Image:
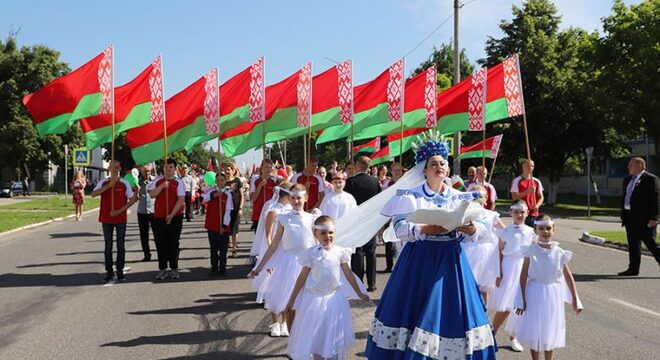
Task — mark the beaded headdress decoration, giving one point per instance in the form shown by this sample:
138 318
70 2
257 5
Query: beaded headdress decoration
429 144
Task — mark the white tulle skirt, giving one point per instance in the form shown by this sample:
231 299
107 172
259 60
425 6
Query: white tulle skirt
323 326
275 288
484 262
542 327
502 298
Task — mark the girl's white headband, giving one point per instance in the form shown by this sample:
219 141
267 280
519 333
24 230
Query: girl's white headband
518 207
298 193
543 222
327 227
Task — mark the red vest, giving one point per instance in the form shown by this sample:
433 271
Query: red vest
312 190
530 199
215 213
106 203
160 212
259 202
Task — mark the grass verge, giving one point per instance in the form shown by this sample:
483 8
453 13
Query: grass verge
574 206
614 237
39 210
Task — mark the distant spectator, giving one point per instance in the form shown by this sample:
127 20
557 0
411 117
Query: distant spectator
472 177
26 186
77 186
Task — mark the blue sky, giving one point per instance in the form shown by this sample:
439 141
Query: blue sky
195 36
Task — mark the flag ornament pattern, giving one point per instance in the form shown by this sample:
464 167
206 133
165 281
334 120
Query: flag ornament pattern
156 90
105 83
377 146
304 94
395 92
431 97
257 92
477 101
495 149
513 87
345 91
211 102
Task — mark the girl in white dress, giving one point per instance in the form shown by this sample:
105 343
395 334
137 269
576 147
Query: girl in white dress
323 328
292 238
481 250
512 238
542 325
279 204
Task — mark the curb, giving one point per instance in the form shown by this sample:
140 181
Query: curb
600 241
27 227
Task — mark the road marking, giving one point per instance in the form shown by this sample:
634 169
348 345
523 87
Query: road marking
636 307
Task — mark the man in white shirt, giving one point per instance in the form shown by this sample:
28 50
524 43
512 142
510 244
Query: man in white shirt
189 185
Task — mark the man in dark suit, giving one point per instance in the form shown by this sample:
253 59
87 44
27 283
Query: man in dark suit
363 187
639 213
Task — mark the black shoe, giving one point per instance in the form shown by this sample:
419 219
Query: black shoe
387 270
213 273
146 258
372 289
187 220
222 273
628 273
120 276
109 276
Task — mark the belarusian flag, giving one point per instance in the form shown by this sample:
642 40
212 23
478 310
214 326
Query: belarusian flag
288 107
86 91
400 143
332 102
492 146
370 147
132 109
381 156
376 102
420 107
503 98
190 115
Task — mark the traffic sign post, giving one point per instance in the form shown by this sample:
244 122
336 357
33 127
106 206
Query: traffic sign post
450 145
590 152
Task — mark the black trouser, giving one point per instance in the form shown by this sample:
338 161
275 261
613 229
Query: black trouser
188 205
367 250
390 251
108 230
145 221
219 244
635 235
167 242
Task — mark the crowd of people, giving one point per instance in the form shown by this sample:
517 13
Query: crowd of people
442 280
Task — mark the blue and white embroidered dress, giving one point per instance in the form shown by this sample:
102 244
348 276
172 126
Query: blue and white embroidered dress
431 307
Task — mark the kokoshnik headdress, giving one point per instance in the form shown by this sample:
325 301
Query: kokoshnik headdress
429 144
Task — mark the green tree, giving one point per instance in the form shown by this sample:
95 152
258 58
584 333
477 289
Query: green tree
564 113
24 70
443 59
629 56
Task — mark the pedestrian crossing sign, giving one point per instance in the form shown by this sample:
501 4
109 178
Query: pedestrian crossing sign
450 145
81 157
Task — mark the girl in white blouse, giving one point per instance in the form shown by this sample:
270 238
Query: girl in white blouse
292 238
542 325
323 328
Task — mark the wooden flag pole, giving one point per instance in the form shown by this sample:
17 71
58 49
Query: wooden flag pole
112 142
220 215
492 169
529 154
401 144
263 149
483 147
167 192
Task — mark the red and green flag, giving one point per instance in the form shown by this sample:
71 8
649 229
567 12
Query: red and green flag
288 108
381 156
397 145
463 102
191 114
420 108
86 91
133 106
370 147
490 147
380 101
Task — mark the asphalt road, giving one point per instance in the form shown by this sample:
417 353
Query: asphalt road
53 304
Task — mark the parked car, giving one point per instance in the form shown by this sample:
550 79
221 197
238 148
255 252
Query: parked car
11 188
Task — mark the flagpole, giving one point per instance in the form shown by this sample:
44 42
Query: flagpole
112 142
350 149
492 169
167 192
217 86
311 92
403 99
483 146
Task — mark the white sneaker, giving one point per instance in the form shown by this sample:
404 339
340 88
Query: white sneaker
275 330
284 330
174 274
515 345
162 274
